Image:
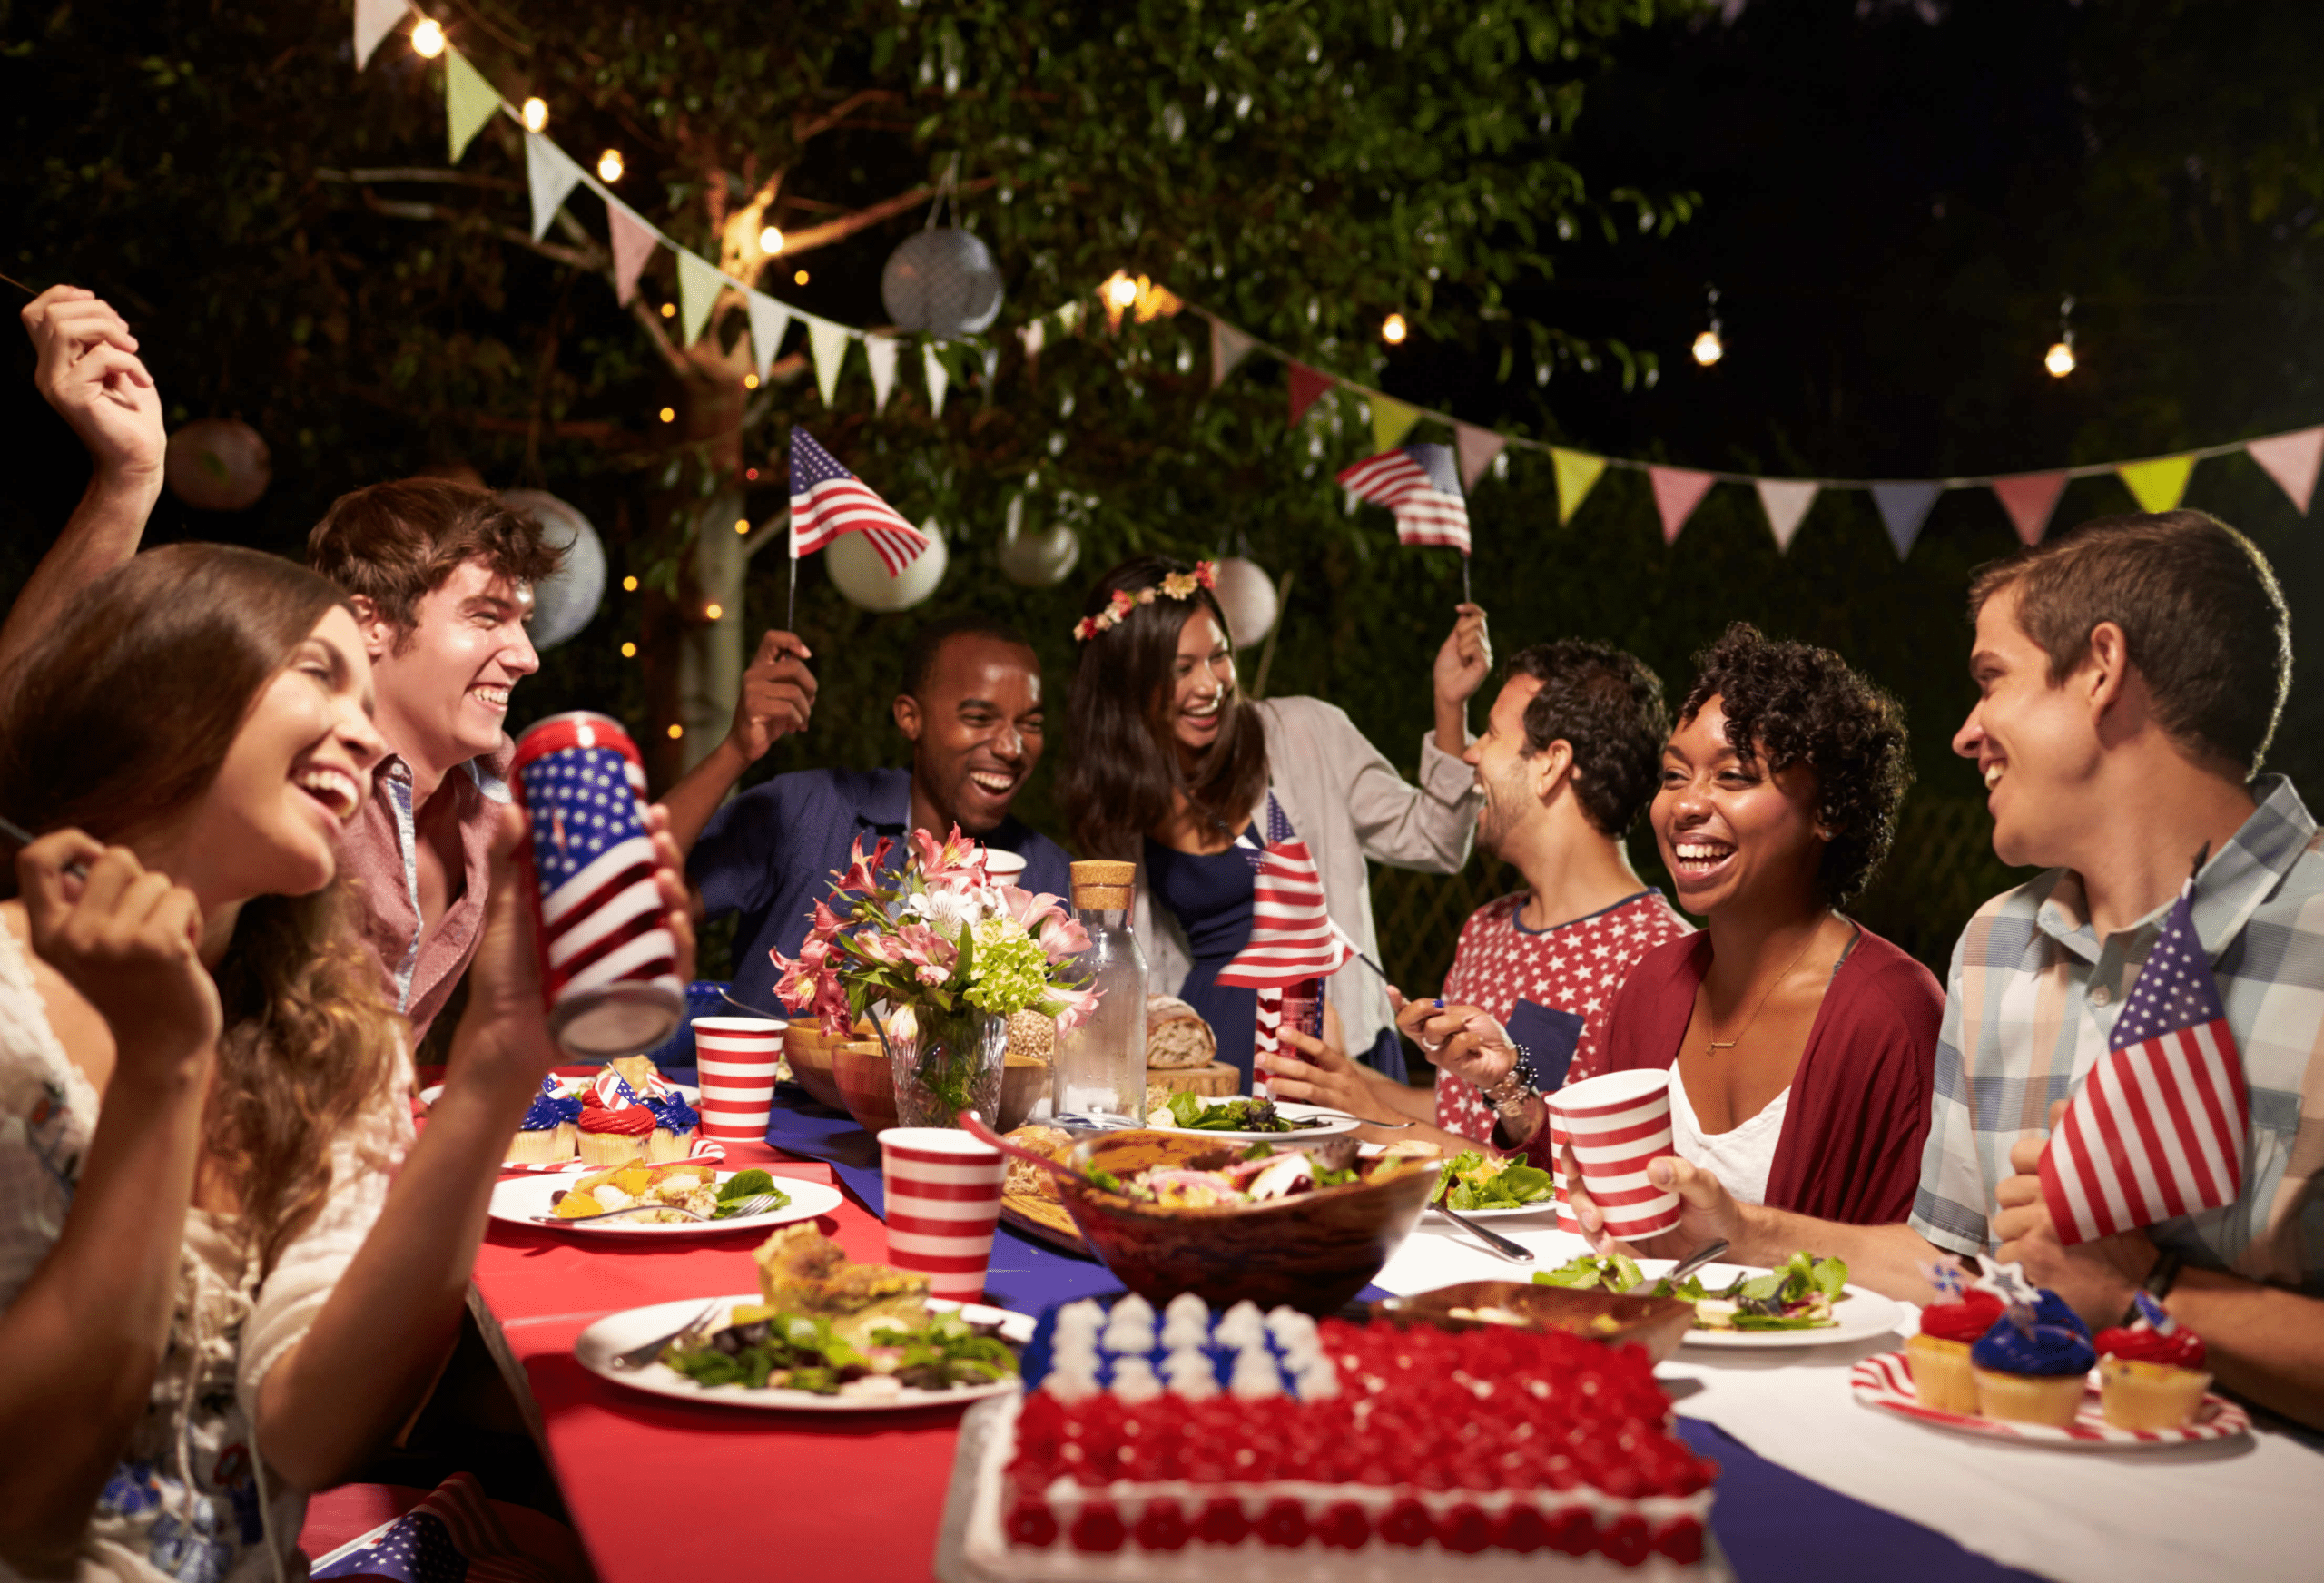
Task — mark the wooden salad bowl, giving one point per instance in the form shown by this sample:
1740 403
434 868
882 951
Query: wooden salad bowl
1657 1323
867 1084
1311 1252
811 1053
1024 1083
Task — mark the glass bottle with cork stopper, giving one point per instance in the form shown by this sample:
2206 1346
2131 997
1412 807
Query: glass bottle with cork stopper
1100 1065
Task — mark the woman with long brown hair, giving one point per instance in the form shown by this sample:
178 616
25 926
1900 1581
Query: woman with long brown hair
1168 765
211 1298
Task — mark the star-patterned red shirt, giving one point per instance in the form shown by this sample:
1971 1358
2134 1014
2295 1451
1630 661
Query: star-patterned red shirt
1553 988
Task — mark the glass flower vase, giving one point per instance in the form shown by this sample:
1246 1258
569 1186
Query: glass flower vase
947 1062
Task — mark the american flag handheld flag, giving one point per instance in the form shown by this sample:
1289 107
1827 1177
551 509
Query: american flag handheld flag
1293 938
454 1536
827 500
2156 1130
608 965
1421 485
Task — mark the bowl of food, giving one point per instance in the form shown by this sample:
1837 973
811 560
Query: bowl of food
1024 1083
867 1084
1266 1224
809 1051
1657 1323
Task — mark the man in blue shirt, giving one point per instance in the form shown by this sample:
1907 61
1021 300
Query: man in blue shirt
971 708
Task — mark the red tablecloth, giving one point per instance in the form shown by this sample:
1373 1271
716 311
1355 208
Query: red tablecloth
659 1490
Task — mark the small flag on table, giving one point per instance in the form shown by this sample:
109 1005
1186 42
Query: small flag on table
1421 485
827 500
2156 1129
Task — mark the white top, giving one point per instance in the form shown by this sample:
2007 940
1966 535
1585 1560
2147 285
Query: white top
1740 1157
191 1496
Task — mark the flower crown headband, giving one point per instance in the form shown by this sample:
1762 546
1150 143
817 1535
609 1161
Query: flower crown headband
1177 586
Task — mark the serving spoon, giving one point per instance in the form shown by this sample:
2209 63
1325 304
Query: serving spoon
974 1126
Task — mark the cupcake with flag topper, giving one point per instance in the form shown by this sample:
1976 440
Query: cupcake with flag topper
547 1135
2033 1365
1938 1356
2150 1374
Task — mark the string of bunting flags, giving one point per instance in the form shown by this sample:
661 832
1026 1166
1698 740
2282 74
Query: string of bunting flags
1415 482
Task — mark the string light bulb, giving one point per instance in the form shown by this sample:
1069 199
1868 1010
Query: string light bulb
742 525
771 241
669 414
629 584
1393 329
535 113
750 381
669 311
799 278
428 38
713 611
676 730
1121 291
2060 359
1709 347
609 166
629 651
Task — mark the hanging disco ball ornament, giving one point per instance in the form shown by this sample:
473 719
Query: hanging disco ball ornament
1248 596
217 464
566 600
942 283
856 570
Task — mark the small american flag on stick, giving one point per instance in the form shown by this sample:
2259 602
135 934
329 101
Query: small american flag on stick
1420 486
827 500
2156 1130
1291 937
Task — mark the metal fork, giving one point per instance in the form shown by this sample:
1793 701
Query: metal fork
644 1352
741 1208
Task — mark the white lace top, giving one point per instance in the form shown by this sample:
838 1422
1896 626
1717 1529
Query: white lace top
1741 1156
191 1501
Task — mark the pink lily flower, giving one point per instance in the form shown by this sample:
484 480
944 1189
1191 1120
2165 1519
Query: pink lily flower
1079 1006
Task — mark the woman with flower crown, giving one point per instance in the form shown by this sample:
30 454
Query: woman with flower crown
1169 766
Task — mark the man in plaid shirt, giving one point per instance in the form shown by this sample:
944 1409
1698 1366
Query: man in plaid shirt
2130 677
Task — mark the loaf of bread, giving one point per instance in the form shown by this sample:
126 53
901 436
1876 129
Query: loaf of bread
1176 1035
1026 1177
1032 1035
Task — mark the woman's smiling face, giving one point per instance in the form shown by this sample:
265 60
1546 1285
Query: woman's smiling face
1730 830
1202 684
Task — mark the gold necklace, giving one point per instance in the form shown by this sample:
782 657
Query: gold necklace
1729 1044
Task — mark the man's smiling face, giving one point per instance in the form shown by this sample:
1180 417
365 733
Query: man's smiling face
975 729
444 681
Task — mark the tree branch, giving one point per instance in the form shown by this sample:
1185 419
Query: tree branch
653 323
399 208
422 174
840 230
800 130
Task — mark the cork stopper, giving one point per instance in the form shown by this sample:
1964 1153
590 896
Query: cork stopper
1101 885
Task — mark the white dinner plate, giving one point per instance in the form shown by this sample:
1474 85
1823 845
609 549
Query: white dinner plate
617 1333
1335 1123
1547 1206
692 1095
1861 1314
519 1200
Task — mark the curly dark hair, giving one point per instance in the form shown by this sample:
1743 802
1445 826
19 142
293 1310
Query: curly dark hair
1801 705
1607 707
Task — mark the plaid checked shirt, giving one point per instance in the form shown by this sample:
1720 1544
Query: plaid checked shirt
2033 994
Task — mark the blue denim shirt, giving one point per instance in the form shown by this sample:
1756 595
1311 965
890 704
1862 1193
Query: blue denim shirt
771 853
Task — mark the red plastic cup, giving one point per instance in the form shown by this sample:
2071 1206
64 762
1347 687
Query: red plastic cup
735 1058
1615 1124
943 1199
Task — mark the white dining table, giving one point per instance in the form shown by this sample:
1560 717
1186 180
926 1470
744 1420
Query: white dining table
2248 1507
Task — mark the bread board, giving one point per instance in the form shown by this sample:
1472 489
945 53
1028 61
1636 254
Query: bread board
1045 1220
1217 1081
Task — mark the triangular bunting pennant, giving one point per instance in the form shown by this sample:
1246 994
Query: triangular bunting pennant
374 20
1786 501
699 284
1306 386
1390 420
880 351
2291 460
769 323
2158 485
940 378
634 244
1677 492
468 101
1904 507
1229 347
1578 473
552 175
1476 447
828 342
2030 498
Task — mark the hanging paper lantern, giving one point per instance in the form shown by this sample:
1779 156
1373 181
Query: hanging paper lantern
856 570
566 600
218 464
1037 560
942 283
1248 596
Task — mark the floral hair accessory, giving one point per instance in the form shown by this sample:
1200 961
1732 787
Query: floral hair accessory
1177 586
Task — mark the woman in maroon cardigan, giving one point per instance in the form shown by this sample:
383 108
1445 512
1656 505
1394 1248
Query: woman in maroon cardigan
1801 1045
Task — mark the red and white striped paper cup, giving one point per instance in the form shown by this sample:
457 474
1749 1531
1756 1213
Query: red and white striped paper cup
943 1199
736 1058
1617 1123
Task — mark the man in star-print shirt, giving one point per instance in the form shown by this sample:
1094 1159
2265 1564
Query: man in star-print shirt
1567 762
